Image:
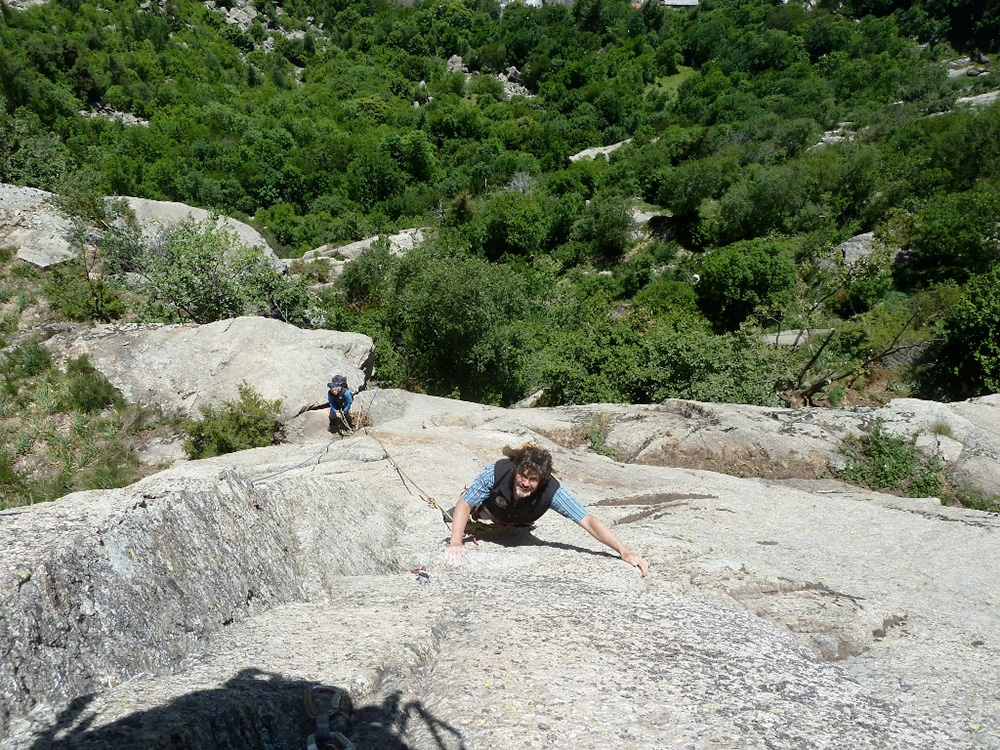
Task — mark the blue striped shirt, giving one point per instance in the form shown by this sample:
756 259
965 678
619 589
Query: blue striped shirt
563 501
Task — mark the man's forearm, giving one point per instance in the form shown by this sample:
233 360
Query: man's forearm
458 522
599 530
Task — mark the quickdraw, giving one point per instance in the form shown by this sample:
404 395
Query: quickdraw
323 701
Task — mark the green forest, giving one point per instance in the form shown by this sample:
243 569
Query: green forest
325 123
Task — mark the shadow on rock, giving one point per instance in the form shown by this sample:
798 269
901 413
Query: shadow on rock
522 537
384 725
253 711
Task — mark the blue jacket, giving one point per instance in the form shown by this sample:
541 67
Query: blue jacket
341 402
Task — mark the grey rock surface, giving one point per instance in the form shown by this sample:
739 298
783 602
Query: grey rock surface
29 222
782 443
399 244
593 153
184 365
978 100
797 338
857 248
197 605
32 225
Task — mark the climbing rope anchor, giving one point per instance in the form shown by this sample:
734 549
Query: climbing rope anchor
321 702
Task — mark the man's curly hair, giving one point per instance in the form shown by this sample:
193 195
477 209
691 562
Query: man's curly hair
533 457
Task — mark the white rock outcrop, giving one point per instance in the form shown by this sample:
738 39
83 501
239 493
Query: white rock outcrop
783 443
593 153
184 366
33 225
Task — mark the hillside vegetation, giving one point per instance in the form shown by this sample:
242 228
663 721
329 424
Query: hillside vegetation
328 122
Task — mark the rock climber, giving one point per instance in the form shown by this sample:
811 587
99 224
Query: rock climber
338 395
517 491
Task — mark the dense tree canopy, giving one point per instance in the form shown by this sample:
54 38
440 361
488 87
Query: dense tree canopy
762 134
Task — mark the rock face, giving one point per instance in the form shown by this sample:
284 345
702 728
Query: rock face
32 225
780 443
593 153
154 216
29 222
185 366
978 100
193 609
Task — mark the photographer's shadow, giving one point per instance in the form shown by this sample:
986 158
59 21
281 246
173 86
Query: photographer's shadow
254 710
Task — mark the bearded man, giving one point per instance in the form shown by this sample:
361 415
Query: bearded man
517 491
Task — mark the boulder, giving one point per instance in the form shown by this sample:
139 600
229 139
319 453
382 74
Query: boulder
455 64
184 366
155 216
399 243
197 607
856 248
797 338
978 100
32 224
593 153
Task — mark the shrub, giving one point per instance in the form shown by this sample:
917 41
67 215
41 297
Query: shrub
87 390
80 295
968 361
881 461
364 280
606 227
25 361
955 237
11 483
199 272
114 465
457 326
251 422
509 224
743 279
977 500
597 432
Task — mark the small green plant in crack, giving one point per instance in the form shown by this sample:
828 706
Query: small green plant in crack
942 428
24 361
977 500
597 432
882 461
23 443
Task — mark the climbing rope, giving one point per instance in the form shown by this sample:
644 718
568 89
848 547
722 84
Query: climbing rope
320 452
362 419
407 478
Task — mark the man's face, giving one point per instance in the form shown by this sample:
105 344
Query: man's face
525 482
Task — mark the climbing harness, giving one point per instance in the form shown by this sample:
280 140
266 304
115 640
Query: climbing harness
323 701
